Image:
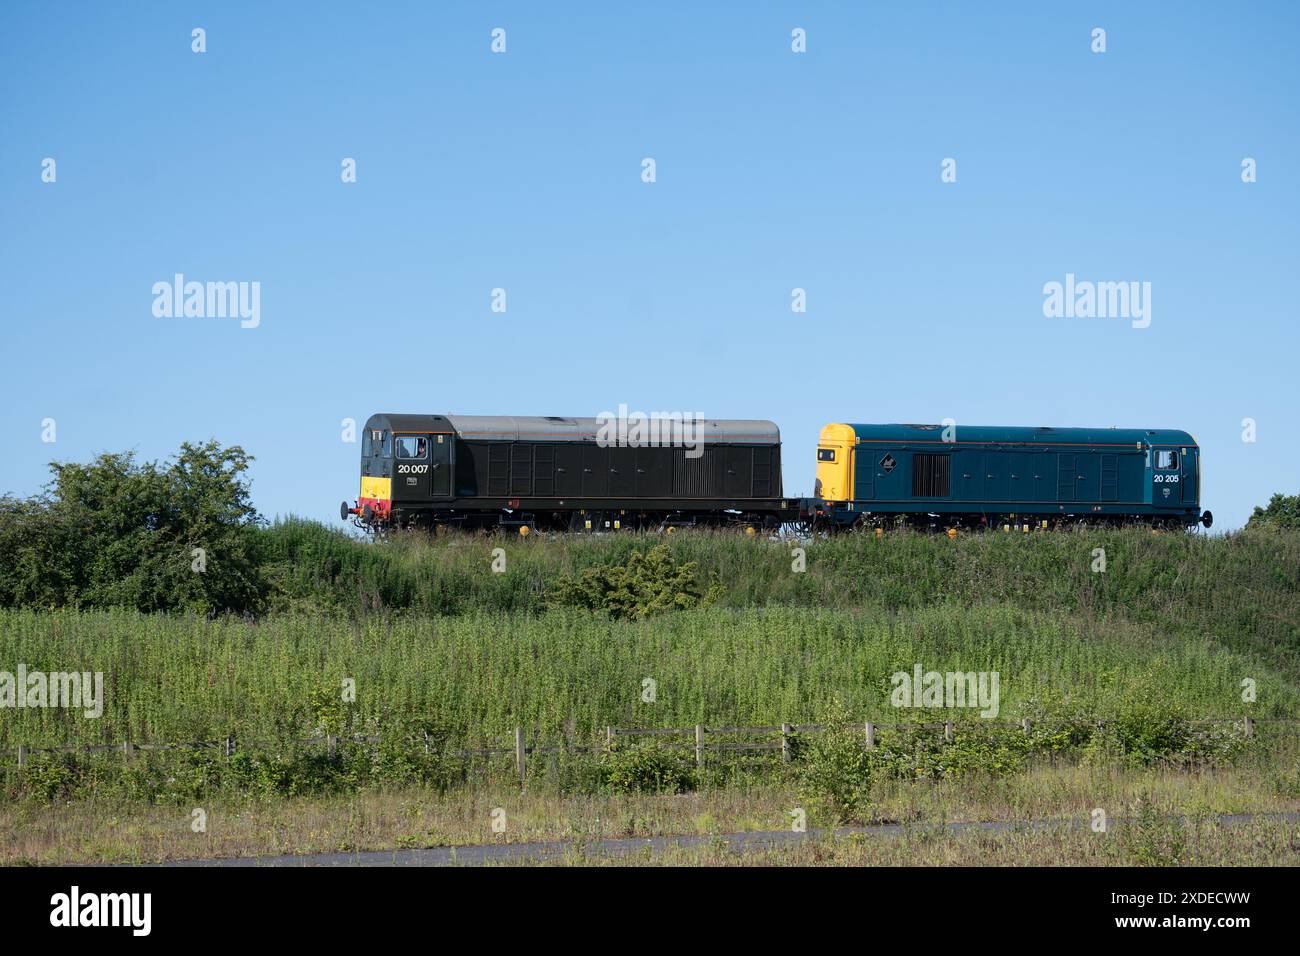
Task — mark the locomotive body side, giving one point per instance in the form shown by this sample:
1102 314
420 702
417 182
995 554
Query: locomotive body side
983 474
567 473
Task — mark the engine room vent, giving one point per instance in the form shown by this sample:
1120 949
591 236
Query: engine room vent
931 476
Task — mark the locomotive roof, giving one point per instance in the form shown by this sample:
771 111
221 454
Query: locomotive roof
568 428
1012 434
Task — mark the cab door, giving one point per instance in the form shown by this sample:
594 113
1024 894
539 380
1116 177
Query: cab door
1166 477
861 466
411 471
440 465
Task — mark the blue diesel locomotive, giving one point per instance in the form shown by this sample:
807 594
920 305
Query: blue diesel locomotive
979 475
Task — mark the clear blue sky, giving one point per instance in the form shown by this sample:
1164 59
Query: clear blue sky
522 171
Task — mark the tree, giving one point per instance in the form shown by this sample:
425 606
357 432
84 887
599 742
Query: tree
114 533
1283 511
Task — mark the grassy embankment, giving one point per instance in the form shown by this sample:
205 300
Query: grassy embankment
438 643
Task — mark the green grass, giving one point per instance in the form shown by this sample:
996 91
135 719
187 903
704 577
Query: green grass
428 632
426 629
481 674
1240 591
113 829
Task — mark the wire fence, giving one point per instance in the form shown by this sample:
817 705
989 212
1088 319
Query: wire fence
695 737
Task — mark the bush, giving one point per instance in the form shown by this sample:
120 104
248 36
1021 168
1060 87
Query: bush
422 752
1145 734
648 768
50 777
916 754
413 756
834 769
115 533
649 583
1283 511
570 773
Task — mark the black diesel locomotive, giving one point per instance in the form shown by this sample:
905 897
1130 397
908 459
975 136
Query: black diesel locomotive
556 473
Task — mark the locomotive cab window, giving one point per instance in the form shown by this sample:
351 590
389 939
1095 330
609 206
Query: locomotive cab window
386 444
1166 459
410 446
825 454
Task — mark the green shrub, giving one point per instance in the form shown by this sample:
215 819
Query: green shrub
114 533
50 777
422 752
648 768
328 712
1144 735
650 582
916 753
417 753
1283 511
834 768
570 773
1138 725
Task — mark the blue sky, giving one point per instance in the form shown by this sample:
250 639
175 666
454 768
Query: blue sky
522 171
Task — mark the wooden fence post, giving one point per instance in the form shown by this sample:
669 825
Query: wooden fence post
128 749
699 745
1028 725
947 731
331 744
785 743
609 738
871 735
230 745
22 755
1248 727
519 754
